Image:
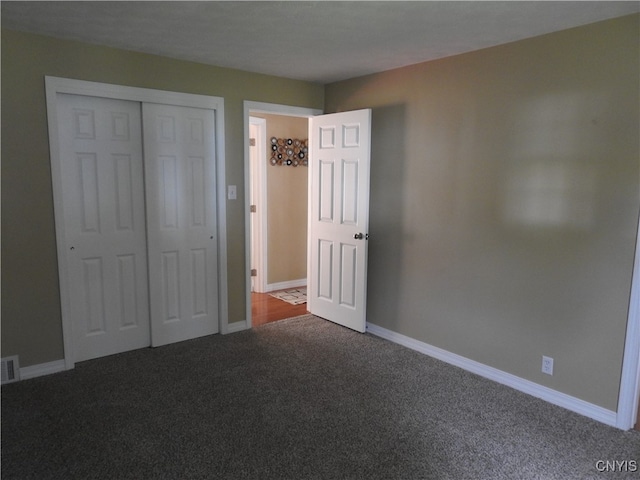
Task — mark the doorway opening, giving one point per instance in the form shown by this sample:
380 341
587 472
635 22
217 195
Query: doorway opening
276 197
278 211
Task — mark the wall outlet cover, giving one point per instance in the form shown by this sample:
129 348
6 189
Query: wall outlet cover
547 365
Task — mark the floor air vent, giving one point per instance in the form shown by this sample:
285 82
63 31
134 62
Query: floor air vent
10 369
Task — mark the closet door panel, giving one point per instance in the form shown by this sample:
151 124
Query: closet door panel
181 221
104 223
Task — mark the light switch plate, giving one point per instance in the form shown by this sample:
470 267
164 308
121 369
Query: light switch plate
232 192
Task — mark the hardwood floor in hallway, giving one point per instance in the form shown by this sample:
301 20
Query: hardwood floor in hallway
265 309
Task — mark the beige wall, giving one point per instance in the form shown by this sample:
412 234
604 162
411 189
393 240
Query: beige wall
287 206
504 203
31 322
505 193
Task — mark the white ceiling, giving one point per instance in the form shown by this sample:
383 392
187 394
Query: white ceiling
321 41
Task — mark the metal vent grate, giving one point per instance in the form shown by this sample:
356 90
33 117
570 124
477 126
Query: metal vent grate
10 369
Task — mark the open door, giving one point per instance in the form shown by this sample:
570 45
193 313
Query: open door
339 216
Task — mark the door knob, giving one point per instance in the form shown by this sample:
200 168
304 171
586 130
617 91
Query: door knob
358 236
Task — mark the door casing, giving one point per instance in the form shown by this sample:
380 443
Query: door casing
629 395
258 197
56 85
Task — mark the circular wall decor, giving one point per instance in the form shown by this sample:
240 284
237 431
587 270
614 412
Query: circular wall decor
289 151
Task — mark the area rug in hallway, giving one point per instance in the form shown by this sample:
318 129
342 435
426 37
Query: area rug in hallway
294 296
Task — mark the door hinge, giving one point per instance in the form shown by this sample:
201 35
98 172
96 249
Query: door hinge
252 142
254 272
253 209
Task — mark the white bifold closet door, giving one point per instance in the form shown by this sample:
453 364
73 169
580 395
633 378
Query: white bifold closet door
137 276
105 230
181 217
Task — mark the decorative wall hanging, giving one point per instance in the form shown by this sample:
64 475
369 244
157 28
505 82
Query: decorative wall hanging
289 151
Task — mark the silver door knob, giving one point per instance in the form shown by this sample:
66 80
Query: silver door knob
358 236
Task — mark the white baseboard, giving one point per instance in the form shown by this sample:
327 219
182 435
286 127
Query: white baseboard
560 399
237 326
272 287
41 369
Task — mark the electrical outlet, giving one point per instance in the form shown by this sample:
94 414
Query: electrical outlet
547 365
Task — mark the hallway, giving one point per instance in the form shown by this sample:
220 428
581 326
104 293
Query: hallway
265 309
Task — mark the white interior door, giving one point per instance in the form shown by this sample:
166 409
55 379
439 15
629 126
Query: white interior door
104 222
339 216
181 221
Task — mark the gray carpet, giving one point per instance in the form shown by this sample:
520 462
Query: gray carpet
296 399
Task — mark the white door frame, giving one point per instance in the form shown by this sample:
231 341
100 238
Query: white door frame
273 109
258 219
56 85
630 378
